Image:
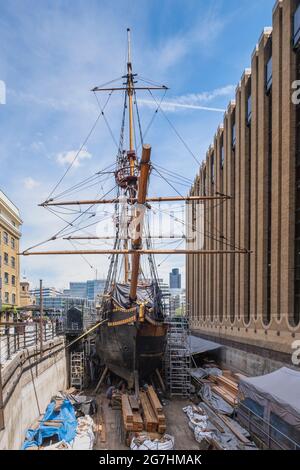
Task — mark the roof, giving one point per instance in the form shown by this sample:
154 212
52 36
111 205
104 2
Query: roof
9 203
199 345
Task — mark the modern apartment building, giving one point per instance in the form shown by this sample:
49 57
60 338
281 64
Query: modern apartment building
175 279
10 224
251 303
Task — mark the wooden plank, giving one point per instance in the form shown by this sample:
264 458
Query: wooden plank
126 410
235 431
225 394
227 383
138 424
154 400
101 380
161 428
150 419
133 403
162 384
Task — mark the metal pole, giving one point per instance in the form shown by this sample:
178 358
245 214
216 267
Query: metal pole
41 316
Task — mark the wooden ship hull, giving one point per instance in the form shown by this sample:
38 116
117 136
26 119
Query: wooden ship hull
130 348
132 339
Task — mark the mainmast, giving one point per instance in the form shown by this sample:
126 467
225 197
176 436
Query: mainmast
142 182
131 153
130 88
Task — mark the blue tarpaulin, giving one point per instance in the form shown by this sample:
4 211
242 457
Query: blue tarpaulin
64 425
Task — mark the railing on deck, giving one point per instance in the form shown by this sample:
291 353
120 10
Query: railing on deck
17 336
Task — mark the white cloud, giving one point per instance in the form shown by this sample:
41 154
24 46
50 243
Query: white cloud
172 106
31 183
194 100
207 96
72 156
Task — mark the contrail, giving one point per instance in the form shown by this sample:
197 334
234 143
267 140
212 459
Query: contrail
169 104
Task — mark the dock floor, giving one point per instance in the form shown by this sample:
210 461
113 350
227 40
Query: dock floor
177 426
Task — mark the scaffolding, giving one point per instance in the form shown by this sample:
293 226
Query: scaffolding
177 357
77 370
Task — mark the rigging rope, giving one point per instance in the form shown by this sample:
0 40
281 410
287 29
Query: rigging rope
104 117
76 156
176 131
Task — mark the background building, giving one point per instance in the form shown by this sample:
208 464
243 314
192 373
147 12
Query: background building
47 292
10 224
251 303
88 289
26 298
175 279
58 302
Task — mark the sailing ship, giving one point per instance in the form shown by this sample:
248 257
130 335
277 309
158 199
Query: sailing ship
131 338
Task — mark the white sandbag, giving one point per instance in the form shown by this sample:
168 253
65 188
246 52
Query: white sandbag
85 438
144 443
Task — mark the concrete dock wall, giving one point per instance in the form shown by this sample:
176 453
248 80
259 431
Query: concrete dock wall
29 381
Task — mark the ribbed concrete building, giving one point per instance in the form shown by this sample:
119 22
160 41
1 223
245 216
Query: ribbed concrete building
251 303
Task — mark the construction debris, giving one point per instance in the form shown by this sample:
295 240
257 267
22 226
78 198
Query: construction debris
64 425
215 431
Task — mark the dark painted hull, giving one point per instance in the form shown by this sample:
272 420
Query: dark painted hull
132 347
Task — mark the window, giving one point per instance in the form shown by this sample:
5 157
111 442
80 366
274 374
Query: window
13 299
13 262
222 154
233 135
5 238
249 109
269 74
6 258
296 37
13 280
212 162
6 297
13 243
6 278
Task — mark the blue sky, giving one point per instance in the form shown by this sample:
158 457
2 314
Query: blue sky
54 52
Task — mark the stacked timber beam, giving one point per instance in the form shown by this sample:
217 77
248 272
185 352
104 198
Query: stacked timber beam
145 415
157 409
226 387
